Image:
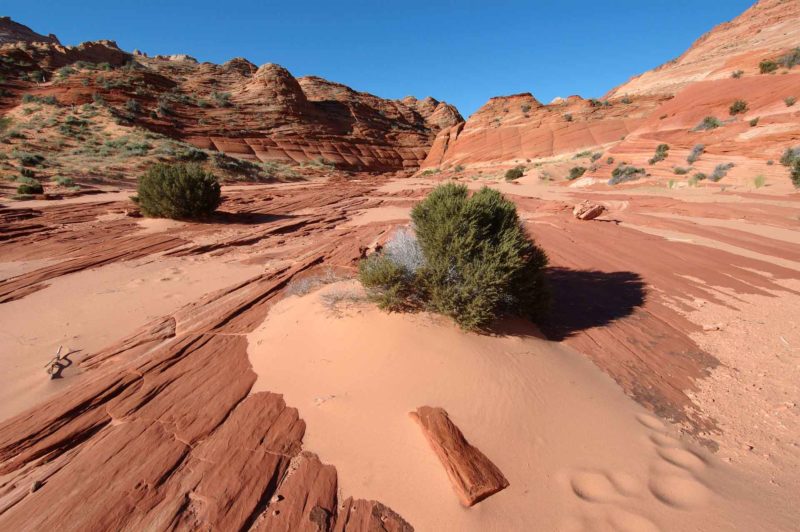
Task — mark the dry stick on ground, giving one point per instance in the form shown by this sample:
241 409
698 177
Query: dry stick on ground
474 477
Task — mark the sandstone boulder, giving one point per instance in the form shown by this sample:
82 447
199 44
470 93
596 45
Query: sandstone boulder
587 210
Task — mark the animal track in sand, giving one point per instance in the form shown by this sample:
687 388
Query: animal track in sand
679 491
600 486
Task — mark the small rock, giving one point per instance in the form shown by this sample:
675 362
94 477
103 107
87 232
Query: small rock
587 210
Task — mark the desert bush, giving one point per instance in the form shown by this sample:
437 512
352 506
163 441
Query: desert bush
759 181
582 154
576 172
63 181
720 171
795 173
515 173
178 191
767 66
736 74
222 99
568 117
65 72
596 156
700 176
790 101
610 160
754 122
626 100
386 282
738 107
680 171
27 172
28 159
791 59
458 168
479 264
133 106
525 108
709 122
790 155
661 153
624 173
695 154
29 186
32 98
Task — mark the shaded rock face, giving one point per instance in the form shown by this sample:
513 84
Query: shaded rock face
11 32
260 114
659 106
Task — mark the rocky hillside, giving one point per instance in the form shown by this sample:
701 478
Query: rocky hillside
730 98
11 32
94 110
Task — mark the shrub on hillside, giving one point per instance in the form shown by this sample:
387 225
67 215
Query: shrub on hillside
791 59
795 175
695 154
576 172
736 74
766 66
790 101
738 107
178 191
29 186
790 155
680 170
661 153
515 173
754 122
470 260
709 122
624 173
720 171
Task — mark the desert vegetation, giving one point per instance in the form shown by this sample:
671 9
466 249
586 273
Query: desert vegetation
738 107
179 191
708 123
661 153
695 153
576 172
624 173
467 258
515 173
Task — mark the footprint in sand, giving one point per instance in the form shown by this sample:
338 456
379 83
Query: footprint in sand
600 486
651 422
683 458
681 492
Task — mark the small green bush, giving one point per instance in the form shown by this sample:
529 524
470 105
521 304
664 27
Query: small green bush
662 150
754 122
576 172
695 154
709 122
458 168
790 101
568 117
178 191
680 171
30 188
624 173
610 160
736 74
515 173
596 156
132 106
766 66
759 181
479 264
222 99
63 181
720 171
700 176
795 174
791 59
387 283
790 155
738 107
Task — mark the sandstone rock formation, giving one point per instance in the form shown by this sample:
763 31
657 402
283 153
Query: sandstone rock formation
12 32
474 477
260 114
663 106
587 210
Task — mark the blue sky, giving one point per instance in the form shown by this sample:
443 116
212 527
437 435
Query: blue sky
461 51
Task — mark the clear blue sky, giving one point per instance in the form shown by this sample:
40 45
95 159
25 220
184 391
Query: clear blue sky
461 51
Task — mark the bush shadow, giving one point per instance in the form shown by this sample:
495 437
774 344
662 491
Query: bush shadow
245 218
583 299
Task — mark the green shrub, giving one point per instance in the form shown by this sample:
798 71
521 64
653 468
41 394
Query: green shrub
790 101
33 187
767 66
720 171
624 173
133 106
178 191
699 176
738 107
790 155
736 74
479 264
754 122
695 154
680 171
63 181
596 156
568 117
791 59
610 160
222 99
525 108
662 150
759 181
515 173
576 172
795 174
387 283
458 168
709 122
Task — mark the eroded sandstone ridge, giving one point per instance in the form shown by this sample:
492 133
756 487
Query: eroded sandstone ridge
665 105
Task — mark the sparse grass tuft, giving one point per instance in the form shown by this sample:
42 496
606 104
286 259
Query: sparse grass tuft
738 107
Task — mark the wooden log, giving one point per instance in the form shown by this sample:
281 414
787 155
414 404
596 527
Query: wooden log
473 475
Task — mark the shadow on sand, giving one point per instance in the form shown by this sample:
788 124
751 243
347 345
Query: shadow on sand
583 299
